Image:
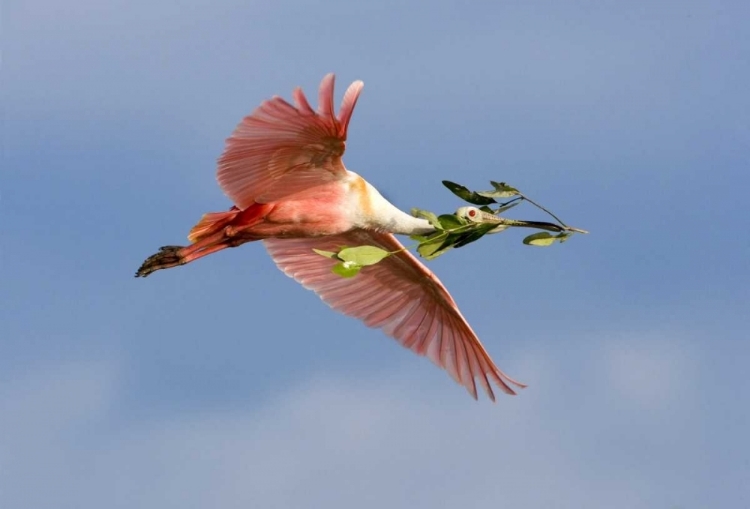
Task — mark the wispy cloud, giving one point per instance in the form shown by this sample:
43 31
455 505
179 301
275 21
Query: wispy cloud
337 442
650 370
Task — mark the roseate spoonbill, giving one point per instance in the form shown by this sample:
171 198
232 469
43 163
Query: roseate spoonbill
282 168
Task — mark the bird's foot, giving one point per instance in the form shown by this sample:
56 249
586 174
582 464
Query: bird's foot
167 257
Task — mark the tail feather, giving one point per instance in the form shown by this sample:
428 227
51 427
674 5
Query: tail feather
211 223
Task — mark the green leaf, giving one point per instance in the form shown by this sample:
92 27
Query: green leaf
441 250
426 214
346 269
450 221
485 208
474 235
540 239
427 248
491 194
502 190
327 254
363 255
466 195
502 187
562 237
448 243
439 244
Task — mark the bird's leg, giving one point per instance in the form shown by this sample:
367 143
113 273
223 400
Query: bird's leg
172 256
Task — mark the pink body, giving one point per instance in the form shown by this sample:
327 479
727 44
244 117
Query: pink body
311 213
282 168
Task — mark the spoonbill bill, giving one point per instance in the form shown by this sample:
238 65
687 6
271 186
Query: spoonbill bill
282 168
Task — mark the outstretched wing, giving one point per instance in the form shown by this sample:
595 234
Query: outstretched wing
282 149
399 295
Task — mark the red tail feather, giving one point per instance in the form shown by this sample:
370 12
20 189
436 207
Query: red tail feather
214 222
211 223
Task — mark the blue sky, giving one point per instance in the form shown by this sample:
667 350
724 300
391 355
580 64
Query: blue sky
224 384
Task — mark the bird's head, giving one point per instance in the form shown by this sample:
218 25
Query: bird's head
471 214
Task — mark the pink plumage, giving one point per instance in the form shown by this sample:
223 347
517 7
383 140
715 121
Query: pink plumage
399 295
282 168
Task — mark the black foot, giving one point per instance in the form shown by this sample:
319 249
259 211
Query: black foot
167 257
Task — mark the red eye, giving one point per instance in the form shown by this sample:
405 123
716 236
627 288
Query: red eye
472 213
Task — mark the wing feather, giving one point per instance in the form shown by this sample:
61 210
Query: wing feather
399 295
265 157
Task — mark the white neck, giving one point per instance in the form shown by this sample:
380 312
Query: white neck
387 217
404 224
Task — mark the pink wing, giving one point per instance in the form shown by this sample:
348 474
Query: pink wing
265 155
399 295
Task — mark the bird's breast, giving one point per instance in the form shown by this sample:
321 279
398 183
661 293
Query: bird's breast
328 209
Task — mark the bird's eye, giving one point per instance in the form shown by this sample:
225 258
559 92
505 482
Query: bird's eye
469 213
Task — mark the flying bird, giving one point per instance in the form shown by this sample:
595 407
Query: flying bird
282 168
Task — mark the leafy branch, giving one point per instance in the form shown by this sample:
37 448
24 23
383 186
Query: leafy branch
467 225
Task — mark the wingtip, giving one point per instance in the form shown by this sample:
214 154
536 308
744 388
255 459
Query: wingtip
514 382
348 103
325 95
